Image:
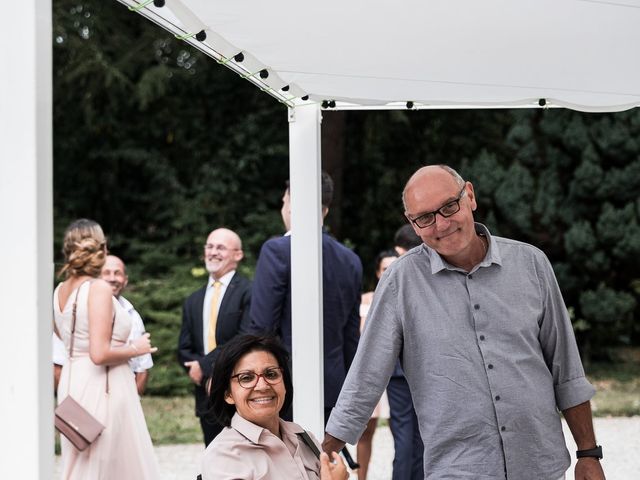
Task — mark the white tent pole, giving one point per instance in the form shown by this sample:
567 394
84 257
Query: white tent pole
26 185
306 267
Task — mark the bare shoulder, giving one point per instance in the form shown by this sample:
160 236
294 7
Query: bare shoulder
101 289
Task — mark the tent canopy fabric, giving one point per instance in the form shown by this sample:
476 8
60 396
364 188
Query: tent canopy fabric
579 54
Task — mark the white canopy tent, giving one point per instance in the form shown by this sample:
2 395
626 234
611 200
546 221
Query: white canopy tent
350 55
577 54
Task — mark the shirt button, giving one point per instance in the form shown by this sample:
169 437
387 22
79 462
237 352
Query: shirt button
481 337
476 306
503 428
490 366
497 398
470 277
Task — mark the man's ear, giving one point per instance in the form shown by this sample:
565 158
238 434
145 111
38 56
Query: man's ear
472 196
228 398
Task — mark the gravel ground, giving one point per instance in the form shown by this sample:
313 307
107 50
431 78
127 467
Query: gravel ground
620 438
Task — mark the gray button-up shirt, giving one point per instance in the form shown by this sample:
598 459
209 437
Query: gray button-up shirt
490 357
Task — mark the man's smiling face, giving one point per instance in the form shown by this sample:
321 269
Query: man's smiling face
222 252
430 189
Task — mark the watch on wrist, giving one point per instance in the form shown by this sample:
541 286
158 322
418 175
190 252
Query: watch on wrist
592 452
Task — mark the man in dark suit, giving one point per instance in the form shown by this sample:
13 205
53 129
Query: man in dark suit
212 316
341 288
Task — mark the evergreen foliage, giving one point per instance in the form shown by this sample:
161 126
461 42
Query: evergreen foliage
160 145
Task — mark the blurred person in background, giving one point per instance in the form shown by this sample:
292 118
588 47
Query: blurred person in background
101 380
114 272
341 290
403 422
382 262
212 316
405 239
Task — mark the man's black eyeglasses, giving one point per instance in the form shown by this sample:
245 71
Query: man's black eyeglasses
271 375
448 209
221 248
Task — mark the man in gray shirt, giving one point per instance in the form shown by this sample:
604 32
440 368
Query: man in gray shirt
486 345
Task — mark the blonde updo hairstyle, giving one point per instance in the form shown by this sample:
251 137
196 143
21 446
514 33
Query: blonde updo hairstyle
84 249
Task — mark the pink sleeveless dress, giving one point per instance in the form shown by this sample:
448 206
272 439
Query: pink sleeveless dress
124 450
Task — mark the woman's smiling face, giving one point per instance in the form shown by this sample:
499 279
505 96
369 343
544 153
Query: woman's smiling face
260 404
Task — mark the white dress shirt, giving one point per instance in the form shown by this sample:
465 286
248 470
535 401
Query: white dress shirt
206 307
144 362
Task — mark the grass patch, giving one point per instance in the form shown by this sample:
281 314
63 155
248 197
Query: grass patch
172 419
618 389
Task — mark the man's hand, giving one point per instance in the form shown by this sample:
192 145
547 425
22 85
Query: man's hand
142 345
195 372
332 471
589 468
332 444
141 381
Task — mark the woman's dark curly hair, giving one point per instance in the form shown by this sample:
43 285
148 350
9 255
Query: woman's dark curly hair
230 354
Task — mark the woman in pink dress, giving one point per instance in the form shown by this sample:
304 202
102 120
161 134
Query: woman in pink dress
97 375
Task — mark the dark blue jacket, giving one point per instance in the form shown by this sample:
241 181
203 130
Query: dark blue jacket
233 319
342 280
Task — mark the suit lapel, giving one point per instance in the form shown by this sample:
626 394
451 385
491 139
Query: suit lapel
228 295
197 319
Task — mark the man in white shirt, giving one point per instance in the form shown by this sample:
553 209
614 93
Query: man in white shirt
115 273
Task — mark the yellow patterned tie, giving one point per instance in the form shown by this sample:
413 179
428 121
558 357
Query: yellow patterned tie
213 315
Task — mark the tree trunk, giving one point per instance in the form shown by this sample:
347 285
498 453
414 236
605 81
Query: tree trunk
333 153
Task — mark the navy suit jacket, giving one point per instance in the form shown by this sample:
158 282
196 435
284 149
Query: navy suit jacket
233 319
342 281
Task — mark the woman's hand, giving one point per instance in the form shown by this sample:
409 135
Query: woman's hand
335 470
142 345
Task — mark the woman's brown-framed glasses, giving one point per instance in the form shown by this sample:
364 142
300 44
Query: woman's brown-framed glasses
272 376
429 218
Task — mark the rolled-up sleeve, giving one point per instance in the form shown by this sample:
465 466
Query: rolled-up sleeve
559 345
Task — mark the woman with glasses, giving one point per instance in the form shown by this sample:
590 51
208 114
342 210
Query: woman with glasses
251 385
